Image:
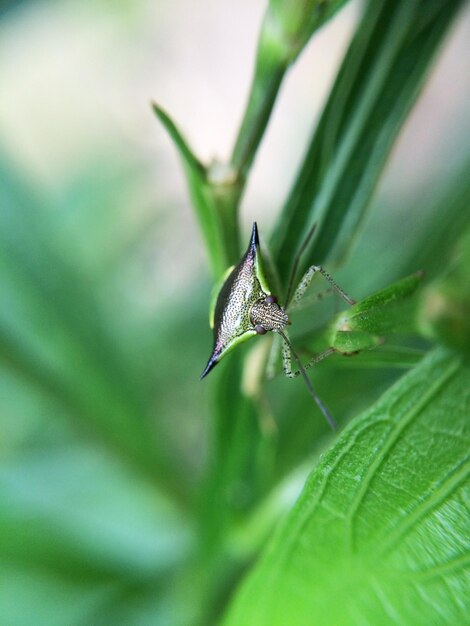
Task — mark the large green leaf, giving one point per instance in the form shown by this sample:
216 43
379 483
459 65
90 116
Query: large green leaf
380 533
379 80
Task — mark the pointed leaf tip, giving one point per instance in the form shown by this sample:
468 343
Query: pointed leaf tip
189 158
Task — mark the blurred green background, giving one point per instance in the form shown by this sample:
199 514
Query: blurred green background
105 429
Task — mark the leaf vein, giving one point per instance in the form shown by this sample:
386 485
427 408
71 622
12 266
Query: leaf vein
425 506
395 433
449 567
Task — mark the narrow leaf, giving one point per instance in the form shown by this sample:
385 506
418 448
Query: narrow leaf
189 159
380 79
214 192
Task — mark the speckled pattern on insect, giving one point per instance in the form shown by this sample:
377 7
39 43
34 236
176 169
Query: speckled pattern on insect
243 307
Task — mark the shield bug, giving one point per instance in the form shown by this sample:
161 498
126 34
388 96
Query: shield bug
245 307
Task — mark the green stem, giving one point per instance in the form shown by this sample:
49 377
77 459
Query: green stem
286 29
267 80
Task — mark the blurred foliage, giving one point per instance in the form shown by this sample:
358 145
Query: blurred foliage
127 495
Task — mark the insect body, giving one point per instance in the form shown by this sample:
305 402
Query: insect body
245 307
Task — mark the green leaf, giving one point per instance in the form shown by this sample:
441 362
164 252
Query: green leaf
391 310
380 533
379 80
215 192
189 159
388 356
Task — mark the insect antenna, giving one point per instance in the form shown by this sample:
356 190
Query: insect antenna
296 262
308 382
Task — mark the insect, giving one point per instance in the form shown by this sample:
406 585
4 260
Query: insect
245 307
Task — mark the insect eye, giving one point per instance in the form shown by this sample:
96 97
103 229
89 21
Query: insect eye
270 299
260 329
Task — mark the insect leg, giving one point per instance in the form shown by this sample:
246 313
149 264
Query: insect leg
307 279
287 361
319 357
296 262
306 301
287 349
